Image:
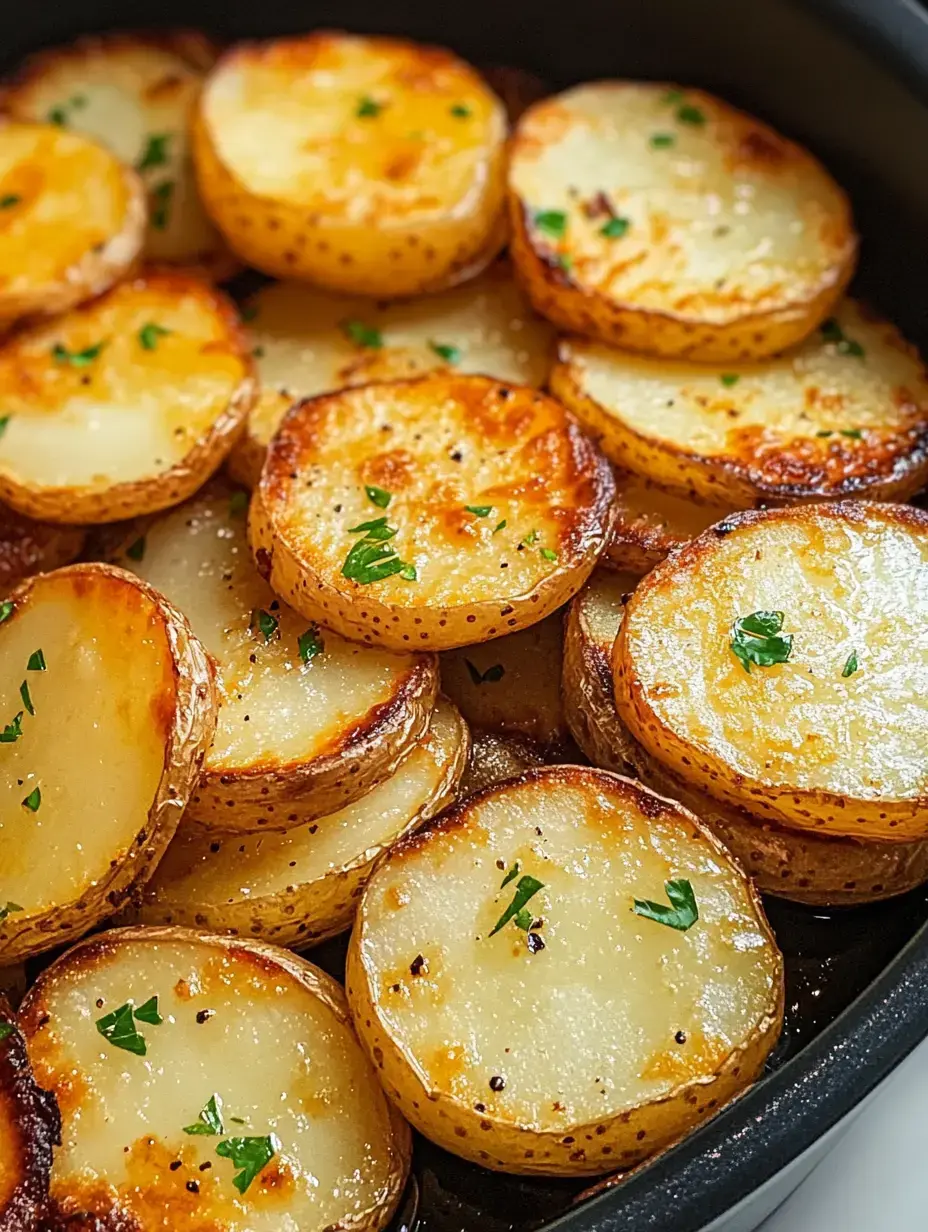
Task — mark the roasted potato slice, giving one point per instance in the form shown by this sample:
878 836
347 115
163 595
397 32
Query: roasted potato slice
209 1081
495 757
779 661
300 887
485 509
665 221
134 93
111 705
124 406
801 866
844 415
650 522
72 220
309 722
511 684
28 547
373 166
29 1128
308 342
611 1034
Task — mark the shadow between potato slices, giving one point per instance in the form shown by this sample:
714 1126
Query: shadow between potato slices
30 1127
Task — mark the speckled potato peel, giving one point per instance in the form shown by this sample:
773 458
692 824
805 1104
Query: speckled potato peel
435 446
525 1059
124 712
496 756
689 228
651 522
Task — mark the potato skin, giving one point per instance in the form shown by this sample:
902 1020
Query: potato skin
650 523
28 547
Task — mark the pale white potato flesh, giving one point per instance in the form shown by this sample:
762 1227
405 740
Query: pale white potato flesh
493 510
372 166
72 220
511 684
663 220
830 736
255 1028
563 1058
300 887
845 414
134 94
124 406
650 522
305 726
308 342
496 756
98 776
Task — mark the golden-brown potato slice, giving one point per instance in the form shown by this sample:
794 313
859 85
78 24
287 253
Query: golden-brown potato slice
110 707
29 1128
373 166
650 522
308 342
28 547
72 220
611 1033
811 714
300 887
665 221
511 684
309 722
124 406
808 868
495 757
209 1081
134 93
844 415
486 504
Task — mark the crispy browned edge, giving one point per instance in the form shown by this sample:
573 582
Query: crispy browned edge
163 489
32 1018
36 1124
756 796
195 705
751 1053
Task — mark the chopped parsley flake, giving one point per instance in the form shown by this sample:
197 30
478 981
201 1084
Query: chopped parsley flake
369 560
25 695
310 643
136 550
378 496
757 639
682 913
850 667
264 623
162 196
9 200
551 222
77 359
688 114
59 115
119 1028
251 1155
155 153
409 573
238 503
499 526
832 332
3 423
662 141
511 875
730 378
8 909
363 335
6 610
377 529
209 1119
258 352
674 96
148 1012
615 228
479 511
460 111
526 889
368 107
150 333
853 434
565 261
490 676
530 539
33 800
6 1030
36 662
12 731
548 553
444 350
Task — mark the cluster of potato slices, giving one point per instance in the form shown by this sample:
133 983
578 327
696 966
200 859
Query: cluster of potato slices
477 648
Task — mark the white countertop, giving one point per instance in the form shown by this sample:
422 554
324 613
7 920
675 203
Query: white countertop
876 1178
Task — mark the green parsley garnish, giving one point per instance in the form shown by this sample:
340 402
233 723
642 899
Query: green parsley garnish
59 115
548 553
209 1119
310 643
615 228
490 676
161 197
36 662
688 114
511 875
27 699
757 639
551 222
33 800
409 573
258 352
3 423
530 539
377 529
378 496
8 909
369 560
77 359
155 153
444 350
661 141
363 335
251 1155
460 111
9 200
565 261
831 331
6 610
150 333
730 378
526 888
499 526
136 550
479 511
264 623
148 1012
368 107
6 1030
674 96
238 503
854 434
119 1029
12 731
682 913
850 667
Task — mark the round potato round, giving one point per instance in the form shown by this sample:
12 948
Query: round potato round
846 414
495 757
134 93
29 1130
111 705
209 1081
308 342
665 221
430 513
300 887
28 547
309 722
778 662
72 220
614 1029
124 406
650 522
373 166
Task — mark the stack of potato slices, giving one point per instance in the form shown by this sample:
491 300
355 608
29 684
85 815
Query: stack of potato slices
484 551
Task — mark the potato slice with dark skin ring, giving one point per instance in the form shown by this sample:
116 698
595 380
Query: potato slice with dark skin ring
650 522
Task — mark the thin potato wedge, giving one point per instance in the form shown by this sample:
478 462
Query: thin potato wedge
486 504
309 722
372 166
665 221
811 716
300 887
610 1034
124 406
28 547
72 220
134 93
651 522
229 1092
308 342
846 414
511 684
798 865
495 757
111 705
30 1128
